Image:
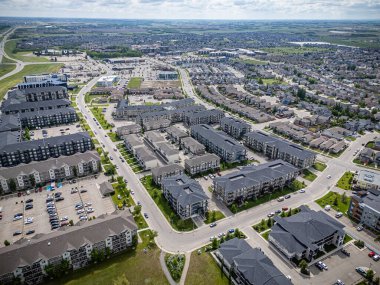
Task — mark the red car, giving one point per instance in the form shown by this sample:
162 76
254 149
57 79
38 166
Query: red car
284 209
371 254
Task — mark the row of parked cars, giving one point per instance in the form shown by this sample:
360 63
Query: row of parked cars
51 208
83 209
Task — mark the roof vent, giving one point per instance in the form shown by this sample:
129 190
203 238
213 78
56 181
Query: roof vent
49 243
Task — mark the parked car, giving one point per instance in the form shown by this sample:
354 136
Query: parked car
339 215
376 257
371 254
29 201
59 199
359 228
231 231
287 196
16 233
361 271
319 265
270 215
345 252
83 190
28 206
302 191
30 232
146 215
212 225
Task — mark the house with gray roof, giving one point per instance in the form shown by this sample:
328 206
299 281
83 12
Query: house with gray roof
27 176
276 148
47 118
185 196
156 124
128 129
37 150
160 172
250 266
254 181
15 108
227 148
146 159
106 188
131 142
190 145
28 259
202 163
306 233
10 123
234 127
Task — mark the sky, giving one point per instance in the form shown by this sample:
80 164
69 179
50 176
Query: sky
194 9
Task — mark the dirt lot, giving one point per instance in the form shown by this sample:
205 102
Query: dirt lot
14 205
343 267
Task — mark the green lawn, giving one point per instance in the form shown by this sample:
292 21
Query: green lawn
114 137
252 61
319 166
139 267
98 114
295 186
211 218
7 60
203 270
26 56
347 238
293 50
370 144
6 68
308 175
134 82
266 235
11 81
88 98
272 81
335 201
345 181
158 197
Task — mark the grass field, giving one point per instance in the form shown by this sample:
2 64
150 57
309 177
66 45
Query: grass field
6 68
308 175
139 267
7 60
10 47
11 81
218 216
134 82
158 197
293 50
330 199
319 166
252 61
271 81
203 270
345 181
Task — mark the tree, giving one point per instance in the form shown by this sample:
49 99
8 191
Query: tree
369 275
12 185
213 216
290 212
137 210
215 243
269 222
154 195
6 243
234 208
26 134
260 81
335 203
237 233
344 198
32 180
153 235
376 281
71 223
303 266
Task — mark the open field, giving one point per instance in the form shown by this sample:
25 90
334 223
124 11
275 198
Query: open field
134 82
26 56
11 81
293 50
6 68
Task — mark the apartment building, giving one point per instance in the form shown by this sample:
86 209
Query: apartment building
145 158
158 173
365 209
367 180
227 148
175 134
190 145
9 108
29 259
212 116
202 163
132 142
47 118
305 234
129 129
249 265
254 181
27 176
276 148
38 150
38 94
234 127
159 124
185 196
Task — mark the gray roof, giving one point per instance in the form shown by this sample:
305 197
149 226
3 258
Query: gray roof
252 263
8 107
154 136
281 144
239 124
145 155
371 200
27 145
9 138
131 128
218 138
162 170
49 112
176 132
304 230
9 123
166 148
133 140
187 191
369 176
46 165
192 144
56 243
205 113
252 175
106 188
208 157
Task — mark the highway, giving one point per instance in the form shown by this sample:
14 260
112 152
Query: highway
174 241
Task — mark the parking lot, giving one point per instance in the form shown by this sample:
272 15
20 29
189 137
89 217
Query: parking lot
55 131
343 267
84 191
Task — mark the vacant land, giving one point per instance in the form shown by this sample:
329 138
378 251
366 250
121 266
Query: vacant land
203 270
338 202
6 68
294 50
11 81
134 82
345 181
26 56
140 266
252 61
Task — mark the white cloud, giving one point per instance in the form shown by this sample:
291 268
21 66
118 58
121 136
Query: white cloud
195 9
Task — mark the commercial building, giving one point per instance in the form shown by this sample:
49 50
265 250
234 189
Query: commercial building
27 176
29 259
107 81
37 150
158 173
249 266
367 180
254 181
190 145
276 148
167 75
185 196
203 163
365 209
305 234
227 148
43 80
234 127
212 116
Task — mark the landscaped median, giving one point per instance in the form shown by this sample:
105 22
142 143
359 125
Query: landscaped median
175 221
295 186
175 264
100 118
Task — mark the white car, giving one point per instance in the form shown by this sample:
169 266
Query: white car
339 215
212 238
302 191
328 176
